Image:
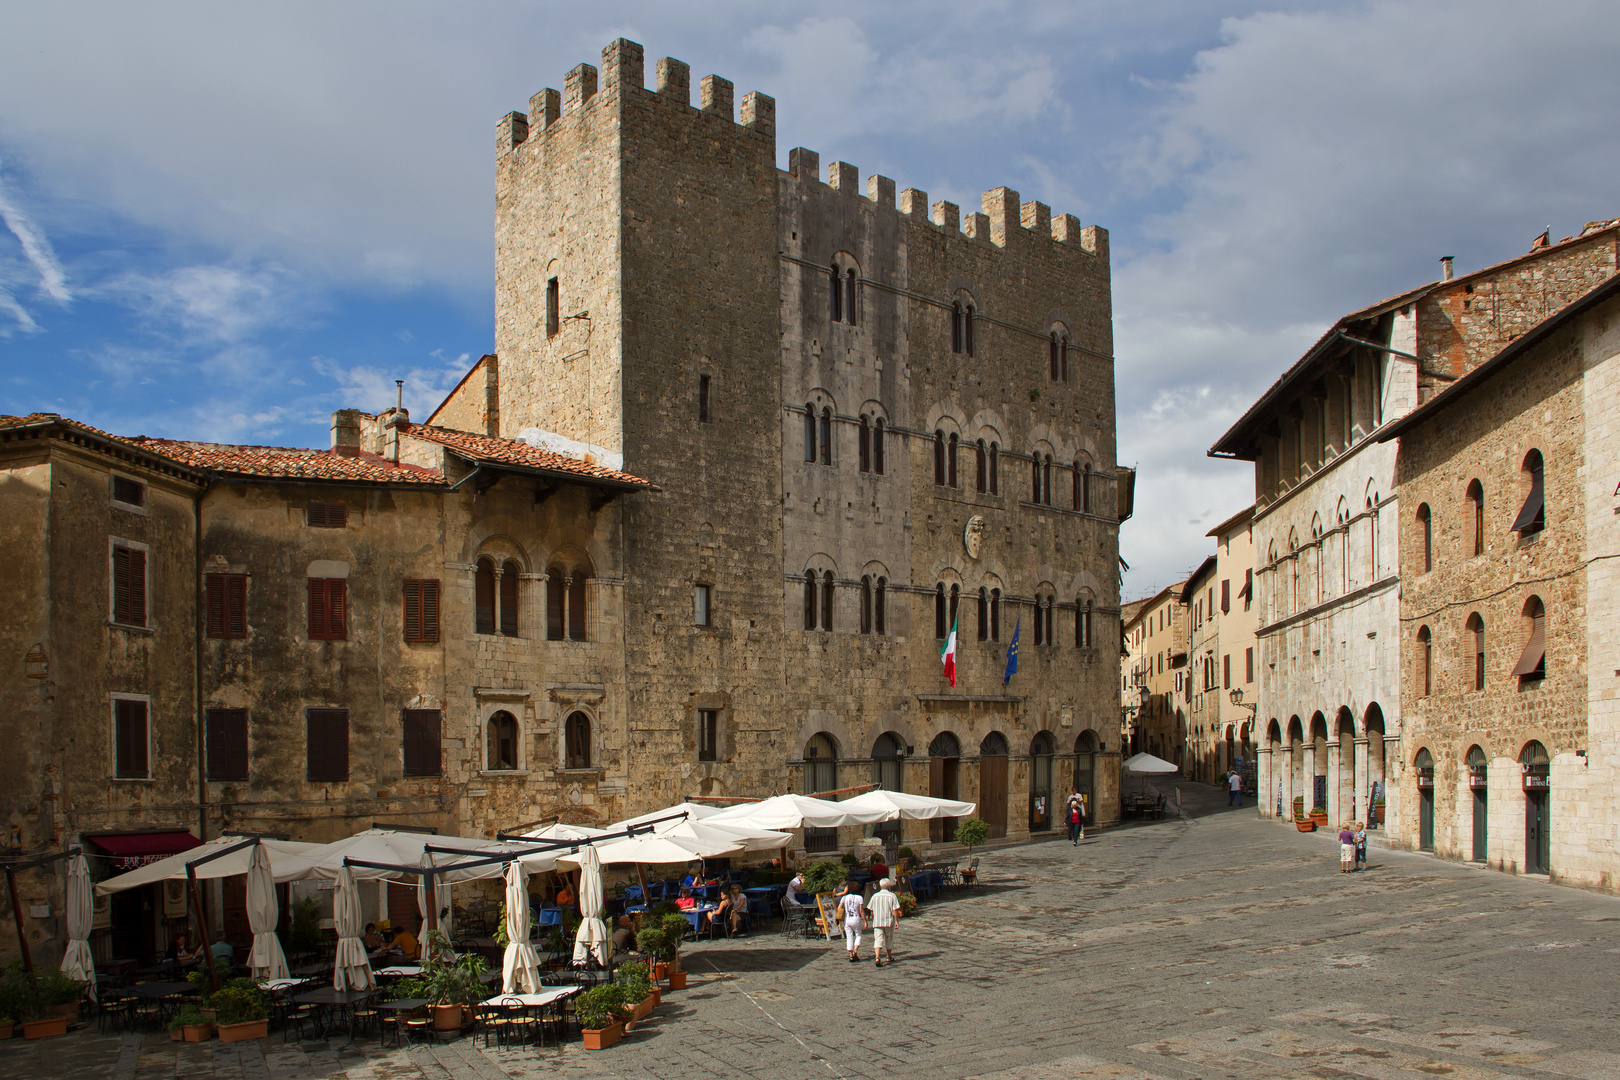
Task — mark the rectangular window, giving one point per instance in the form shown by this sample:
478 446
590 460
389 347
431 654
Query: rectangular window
1248 589
421 742
327 745
421 610
130 740
226 597
1226 668
129 586
328 603
553 307
1248 665
701 613
321 515
703 399
129 492
226 737
708 734
1226 595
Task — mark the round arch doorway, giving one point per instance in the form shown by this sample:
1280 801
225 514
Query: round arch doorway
1423 765
944 782
1040 783
1537 771
993 783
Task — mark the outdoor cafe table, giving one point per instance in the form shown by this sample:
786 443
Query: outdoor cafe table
764 895
401 970
533 1001
695 915
328 1000
158 991
400 1006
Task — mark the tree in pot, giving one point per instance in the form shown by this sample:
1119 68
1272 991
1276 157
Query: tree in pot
662 946
638 990
59 995
677 927
824 876
452 985
600 1011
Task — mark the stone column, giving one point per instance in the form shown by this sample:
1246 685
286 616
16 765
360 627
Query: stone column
1334 793
1262 782
1307 774
1288 765
1361 806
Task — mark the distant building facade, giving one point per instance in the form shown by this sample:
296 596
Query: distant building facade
1153 675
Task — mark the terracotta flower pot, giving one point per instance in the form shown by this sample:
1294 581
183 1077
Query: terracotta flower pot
41 1029
68 1012
677 980
175 1036
660 971
1320 820
656 997
446 1017
5 1030
602 1038
1305 825
250 1029
197 1032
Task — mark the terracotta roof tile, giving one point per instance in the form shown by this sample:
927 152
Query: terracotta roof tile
486 448
290 463
44 420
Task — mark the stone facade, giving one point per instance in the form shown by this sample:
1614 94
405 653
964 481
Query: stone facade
1153 674
1507 640
1326 518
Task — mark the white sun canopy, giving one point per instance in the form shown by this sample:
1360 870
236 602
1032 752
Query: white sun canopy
1147 763
902 804
693 811
391 848
796 812
281 852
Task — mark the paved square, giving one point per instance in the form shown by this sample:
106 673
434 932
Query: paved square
1219 946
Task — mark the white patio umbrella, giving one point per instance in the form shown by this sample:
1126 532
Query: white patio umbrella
443 918
351 969
520 970
558 830
282 854
651 849
266 960
1149 765
592 936
391 848
693 811
793 811
702 832
901 804
77 963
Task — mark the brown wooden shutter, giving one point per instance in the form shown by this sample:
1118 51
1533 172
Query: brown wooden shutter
337 625
129 736
214 588
236 605
509 600
327 515
484 597
1226 595
129 586
430 610
421 742
327 745
227 746
413 610
1535 650
317 608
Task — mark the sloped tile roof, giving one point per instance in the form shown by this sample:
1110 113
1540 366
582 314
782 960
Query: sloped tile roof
12 427
290 463
485 448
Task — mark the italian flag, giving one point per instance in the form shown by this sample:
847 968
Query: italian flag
948 655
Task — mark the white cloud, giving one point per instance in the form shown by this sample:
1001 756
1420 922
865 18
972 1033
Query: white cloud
372 389
209 302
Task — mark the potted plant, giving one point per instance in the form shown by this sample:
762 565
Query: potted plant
240 1010
655 943
638 989
1378 811
190 1025
452 985
676 927
60 995
849 859
823 877
1319 815
600 1014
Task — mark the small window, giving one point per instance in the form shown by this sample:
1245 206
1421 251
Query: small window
956 596
1425 661
131 747
866 604
984 613
1063 358
995 614
1476 499
865 444
956 327
509 599
1532 665
939 458
1476 630
328 609
1226 671
1040 623
226 599
967 329
703 399
981 471
501 742
1248 664
1532 516
1425 522
835 295
940 625
327 745
421 742
826 436
553 307
702 614
849 297
810 433
708 734
327 515
877 446
577 740
950 461
421 609
129 586
1052 358
809 599
827 600
129 492
556 601
879 600
1051 608
225 736
995 452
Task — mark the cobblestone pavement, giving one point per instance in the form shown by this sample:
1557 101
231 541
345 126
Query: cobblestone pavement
1209 946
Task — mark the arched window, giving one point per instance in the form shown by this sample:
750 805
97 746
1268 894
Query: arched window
995 614
501 742
1063 358
826 436
576 604
820 775
509 599
1425 660
967 329
1425 522
1085 487
1046 480
879 600
945 745
577 740
565 599
950 461
827 600
941 627
866 604
877 446
849 297
995 452
1532 665
1051 606
1533 514
956 327
939 458
809 599
809 433
484 597
956 595
984 613
993 745
1035 478
1052 357
981 475
1476 631
865 445
1040 623
835 295
887 753
1476 498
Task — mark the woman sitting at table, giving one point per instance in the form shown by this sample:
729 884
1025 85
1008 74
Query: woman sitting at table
371 938
685 901
735 906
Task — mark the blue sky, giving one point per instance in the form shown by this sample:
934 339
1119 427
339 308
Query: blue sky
223 222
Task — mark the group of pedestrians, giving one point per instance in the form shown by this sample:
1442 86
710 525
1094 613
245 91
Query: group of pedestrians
880 913
1352 847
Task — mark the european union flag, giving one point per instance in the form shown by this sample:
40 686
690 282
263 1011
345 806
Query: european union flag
1012 653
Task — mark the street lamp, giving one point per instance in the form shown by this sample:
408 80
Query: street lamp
1237 699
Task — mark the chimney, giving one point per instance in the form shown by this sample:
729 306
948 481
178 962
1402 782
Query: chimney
1446 273
394 421
346 433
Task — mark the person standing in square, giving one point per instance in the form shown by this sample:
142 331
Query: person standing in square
885 909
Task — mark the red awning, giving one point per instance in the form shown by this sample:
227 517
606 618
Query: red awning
132 850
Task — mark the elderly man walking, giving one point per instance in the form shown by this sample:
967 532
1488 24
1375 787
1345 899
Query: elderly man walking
885 909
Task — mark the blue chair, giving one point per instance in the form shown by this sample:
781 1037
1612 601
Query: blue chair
631 894
551 916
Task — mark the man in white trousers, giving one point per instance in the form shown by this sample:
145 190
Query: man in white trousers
885 909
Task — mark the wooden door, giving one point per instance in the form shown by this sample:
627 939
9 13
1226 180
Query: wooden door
993 793
944 782
237 928
1537 834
